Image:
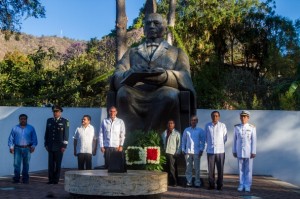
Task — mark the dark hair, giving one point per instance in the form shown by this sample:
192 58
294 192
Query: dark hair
113 107
23 115
171 120
195 116
215 112
88 117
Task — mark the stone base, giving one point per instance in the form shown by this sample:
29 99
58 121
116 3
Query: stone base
102 183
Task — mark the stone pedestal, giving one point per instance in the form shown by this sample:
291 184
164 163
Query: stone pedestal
102 183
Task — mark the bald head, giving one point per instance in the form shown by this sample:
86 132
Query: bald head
155 26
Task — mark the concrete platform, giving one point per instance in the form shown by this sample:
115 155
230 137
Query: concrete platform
263 187
102 183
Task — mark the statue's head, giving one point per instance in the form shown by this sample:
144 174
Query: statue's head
155 26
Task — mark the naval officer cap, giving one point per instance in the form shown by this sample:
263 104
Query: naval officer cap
57 108
244 112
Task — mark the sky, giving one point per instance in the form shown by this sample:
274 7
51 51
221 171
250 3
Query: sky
86 19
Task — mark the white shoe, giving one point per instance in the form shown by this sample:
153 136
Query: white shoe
247 189
240 188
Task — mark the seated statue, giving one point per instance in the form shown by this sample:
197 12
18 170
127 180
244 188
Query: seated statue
149 78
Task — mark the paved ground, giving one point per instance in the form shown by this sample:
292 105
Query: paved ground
263 187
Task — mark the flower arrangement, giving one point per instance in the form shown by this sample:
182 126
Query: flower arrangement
151 144
135 155
153 154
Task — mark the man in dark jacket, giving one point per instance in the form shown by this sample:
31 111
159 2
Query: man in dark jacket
56 140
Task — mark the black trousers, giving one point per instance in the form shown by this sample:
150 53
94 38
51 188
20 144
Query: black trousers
171 168
84 161
107 153
212 161
54 165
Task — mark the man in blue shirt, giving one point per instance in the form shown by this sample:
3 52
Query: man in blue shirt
22 142
193 143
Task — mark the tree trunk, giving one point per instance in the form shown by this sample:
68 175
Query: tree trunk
121 29
171 20
150 7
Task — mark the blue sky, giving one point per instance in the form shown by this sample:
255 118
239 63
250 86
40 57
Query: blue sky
83 20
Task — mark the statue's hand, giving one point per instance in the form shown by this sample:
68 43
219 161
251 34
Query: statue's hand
157 79
139 68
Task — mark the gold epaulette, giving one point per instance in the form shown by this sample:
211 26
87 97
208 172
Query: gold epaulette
252 125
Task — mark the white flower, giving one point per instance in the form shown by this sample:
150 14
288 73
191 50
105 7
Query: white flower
142 156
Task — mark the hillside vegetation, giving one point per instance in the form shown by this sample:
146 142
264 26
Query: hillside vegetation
28 44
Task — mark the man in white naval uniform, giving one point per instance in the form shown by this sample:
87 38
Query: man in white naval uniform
244 149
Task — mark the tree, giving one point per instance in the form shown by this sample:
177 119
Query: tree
12 12
150 7
171 20
121 29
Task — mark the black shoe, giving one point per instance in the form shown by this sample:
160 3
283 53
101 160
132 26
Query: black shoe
16 182
219 188
55 183
50 182
211 188
25 182
197 186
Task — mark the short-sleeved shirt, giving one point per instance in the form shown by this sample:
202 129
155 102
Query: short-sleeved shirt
84 137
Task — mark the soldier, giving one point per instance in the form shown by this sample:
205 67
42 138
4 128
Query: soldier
56 140
244 149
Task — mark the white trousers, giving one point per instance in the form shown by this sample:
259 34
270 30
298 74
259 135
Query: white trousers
245 171
192 160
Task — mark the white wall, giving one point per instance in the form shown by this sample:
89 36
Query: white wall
278 134
278 140
9 116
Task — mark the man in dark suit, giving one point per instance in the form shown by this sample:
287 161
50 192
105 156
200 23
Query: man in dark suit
56 141
148 80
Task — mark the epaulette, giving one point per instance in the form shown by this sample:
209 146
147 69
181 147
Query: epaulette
252 125
236 124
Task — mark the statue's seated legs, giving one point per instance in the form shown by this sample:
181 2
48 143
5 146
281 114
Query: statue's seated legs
148 110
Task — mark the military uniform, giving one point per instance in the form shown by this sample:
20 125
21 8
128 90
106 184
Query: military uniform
56 138
244 144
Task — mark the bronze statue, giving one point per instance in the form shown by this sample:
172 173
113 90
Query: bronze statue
148 80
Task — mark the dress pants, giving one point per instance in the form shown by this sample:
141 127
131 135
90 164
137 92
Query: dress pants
84 161
54 165
107 152
245 172
215 160
172 168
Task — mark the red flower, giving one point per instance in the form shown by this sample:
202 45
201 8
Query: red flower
152 154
